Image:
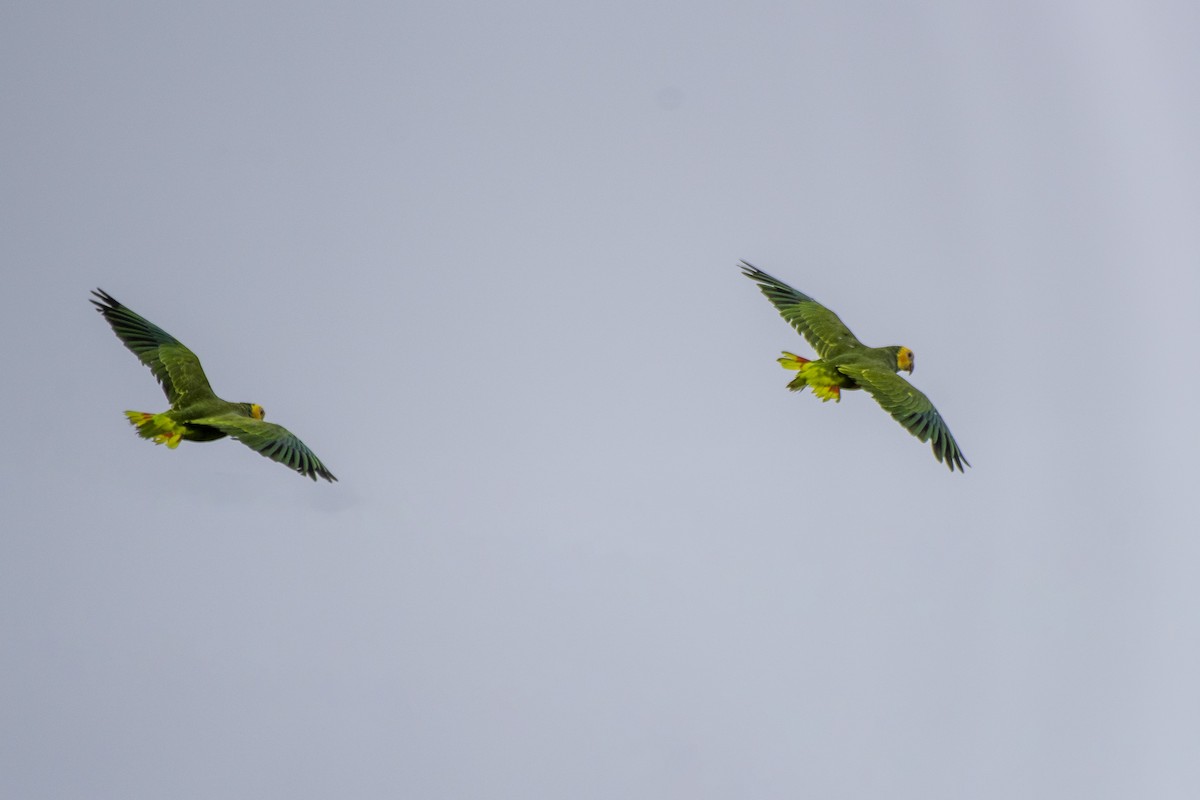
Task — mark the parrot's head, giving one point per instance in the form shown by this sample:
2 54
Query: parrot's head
253 410
904 359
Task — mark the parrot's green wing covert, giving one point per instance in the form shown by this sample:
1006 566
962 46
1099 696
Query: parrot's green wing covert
271 440
911 409
827 334
175 367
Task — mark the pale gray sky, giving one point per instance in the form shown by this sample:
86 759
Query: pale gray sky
481 258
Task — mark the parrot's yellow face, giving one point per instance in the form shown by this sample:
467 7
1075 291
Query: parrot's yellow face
904 359
256 411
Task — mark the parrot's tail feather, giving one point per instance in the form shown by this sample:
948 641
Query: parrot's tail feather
159 427
813 374
827 393
791 360
143 421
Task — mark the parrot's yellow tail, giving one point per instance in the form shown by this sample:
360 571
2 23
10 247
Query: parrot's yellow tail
823 379
791 360
159 427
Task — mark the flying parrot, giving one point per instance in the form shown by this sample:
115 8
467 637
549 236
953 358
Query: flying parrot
196 413
846 363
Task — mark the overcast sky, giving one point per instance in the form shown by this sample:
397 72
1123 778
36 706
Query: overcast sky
481 258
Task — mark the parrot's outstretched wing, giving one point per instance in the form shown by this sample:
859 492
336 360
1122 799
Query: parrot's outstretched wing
911 408
827 334
271 440
177 368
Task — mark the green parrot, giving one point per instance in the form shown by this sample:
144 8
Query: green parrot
846 363
196 414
